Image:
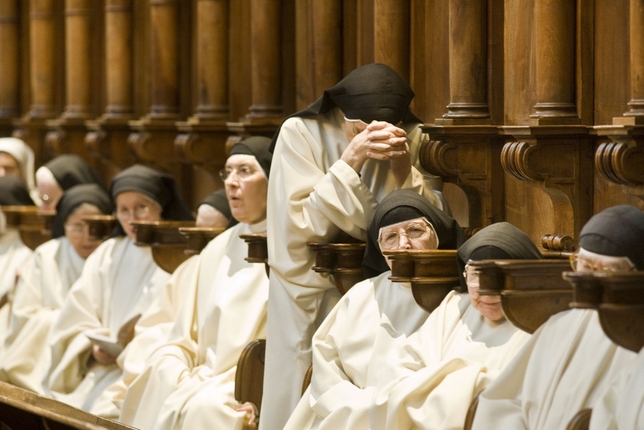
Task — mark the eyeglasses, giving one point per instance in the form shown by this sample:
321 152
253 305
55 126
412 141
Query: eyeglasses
140 212
413 232
580 264
243 172
76 229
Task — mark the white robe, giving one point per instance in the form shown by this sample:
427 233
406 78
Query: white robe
189 381
119 280
44 282
437 373
13 255
621 405
312 196
350 352
559 372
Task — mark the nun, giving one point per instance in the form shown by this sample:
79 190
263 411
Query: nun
44 282
13 252
189 381
569 360
17 159
60 174
118 283
460 348
334 162
373 318
214 211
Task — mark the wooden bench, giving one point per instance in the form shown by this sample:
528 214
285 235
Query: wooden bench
33 224
25 410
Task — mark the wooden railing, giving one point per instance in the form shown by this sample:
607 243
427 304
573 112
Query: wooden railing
33 224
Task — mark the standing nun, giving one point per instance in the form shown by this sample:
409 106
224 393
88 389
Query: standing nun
373 318
334 162
44 282
118 283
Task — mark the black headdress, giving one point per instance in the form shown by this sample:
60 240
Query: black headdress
76 196
70 170
14 192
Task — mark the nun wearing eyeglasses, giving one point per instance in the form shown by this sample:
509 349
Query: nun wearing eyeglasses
44 282
569 360
334 162
189 381
462 346
118 283
373 318
13 252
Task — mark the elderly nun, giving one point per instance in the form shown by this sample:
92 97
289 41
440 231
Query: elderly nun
189 381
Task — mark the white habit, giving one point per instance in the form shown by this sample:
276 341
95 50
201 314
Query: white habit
13 255
44 282
189 382
313 196
437 373
350 351
559 372
119 280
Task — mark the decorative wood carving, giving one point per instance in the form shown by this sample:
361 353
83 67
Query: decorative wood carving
342 260
557 160
469 157
34 226
198 237
167 243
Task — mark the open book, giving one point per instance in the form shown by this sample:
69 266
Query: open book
114 346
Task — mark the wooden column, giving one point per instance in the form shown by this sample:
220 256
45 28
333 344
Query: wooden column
9 65
318 47
42 37
468 61
621 159
67 133
391 34
555 62
266 64
106 139
202 139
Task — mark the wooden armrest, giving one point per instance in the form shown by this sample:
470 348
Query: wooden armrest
343 260
531 290
33 224
324 257
100 226
621 311
257 249
22 409
249 378
581 420
167 243
198 237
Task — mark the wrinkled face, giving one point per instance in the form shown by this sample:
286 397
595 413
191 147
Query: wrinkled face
8 165
415 233
133 206
77 231
49 190
488 306
208 216
246 188
585 261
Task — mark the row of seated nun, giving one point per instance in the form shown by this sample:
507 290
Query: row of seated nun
87 308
